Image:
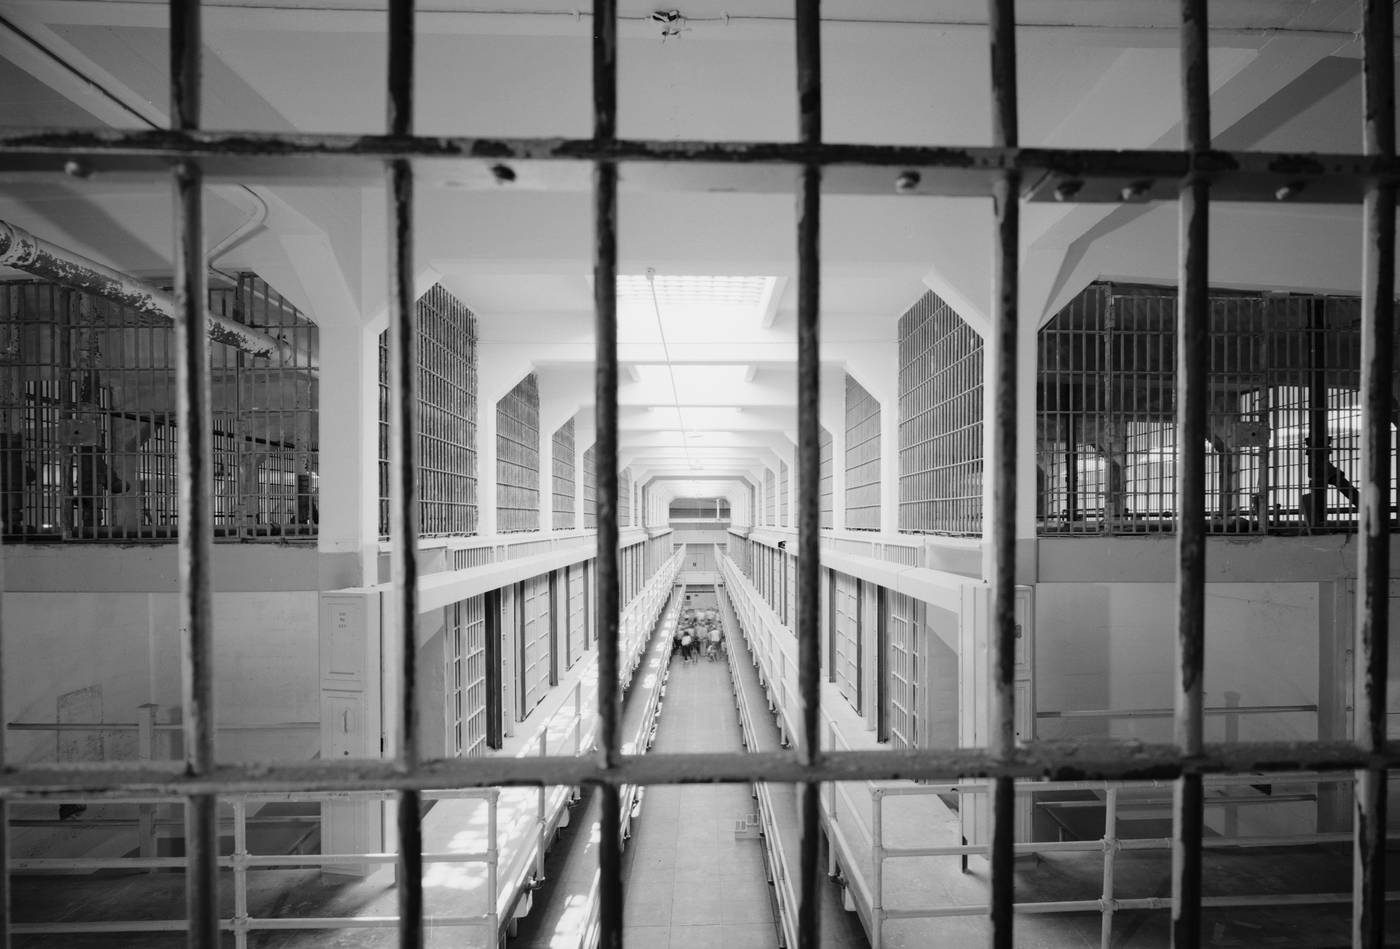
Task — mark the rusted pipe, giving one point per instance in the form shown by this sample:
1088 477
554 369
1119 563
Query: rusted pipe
23 251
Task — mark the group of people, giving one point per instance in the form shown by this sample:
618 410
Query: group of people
698 632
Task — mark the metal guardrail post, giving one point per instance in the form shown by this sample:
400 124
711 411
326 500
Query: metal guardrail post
493 856
1110 854
877 860
240 871
145 751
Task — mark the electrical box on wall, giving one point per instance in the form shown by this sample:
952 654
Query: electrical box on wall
351 720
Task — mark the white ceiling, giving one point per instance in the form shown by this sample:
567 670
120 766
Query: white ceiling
1092 74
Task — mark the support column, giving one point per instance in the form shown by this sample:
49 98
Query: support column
348 439
562 391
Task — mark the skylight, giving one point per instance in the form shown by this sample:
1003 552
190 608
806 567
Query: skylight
696 290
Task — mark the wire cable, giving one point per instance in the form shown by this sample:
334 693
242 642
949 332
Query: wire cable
670 368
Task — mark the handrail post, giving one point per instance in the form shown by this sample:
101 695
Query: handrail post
493 852
877 854
1110 853
145 751
240 871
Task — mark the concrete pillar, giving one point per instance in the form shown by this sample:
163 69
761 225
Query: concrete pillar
561 393
585 433
348 515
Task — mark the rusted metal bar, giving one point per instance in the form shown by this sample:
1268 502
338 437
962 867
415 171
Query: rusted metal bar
1373 551
1001 532
809 122
4 805
195 450
403 468
1083 175
605 461
24 251
1107 761
1192 367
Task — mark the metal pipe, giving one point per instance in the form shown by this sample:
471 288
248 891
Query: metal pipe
605 462
403 467
24 251
1192 366
1001 532
195 503
1373 555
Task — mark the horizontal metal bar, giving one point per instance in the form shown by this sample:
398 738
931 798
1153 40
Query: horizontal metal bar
1167 713
133 726
1078 175
1118 761
246 924
1145 902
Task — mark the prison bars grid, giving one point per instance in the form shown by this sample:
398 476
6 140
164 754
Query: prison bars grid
87 438
590 487
518 457
445 331
826 480
940 420
862 459
784 518
565 471
1284 382
1380 235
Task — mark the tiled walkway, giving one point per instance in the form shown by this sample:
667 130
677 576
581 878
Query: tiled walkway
690 883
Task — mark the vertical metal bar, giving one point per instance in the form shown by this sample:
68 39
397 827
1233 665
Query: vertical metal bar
1373 563
1110 856
809 108
1192 357
1001 533
4 804
403 465
195 480
605 461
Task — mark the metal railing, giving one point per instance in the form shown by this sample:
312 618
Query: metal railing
861 843
778 865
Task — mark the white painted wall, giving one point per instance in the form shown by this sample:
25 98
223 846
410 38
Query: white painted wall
1102 645
127 644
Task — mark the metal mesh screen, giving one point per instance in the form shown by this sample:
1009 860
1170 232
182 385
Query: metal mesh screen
784 519
845 667
445 330
826 485
565 477
578 613
940 421
466 676
1283 381
624 497
518 458
88 431
862 458
534 640
901 693
590 488
770 500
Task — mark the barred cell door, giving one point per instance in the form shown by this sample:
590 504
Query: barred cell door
466 677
